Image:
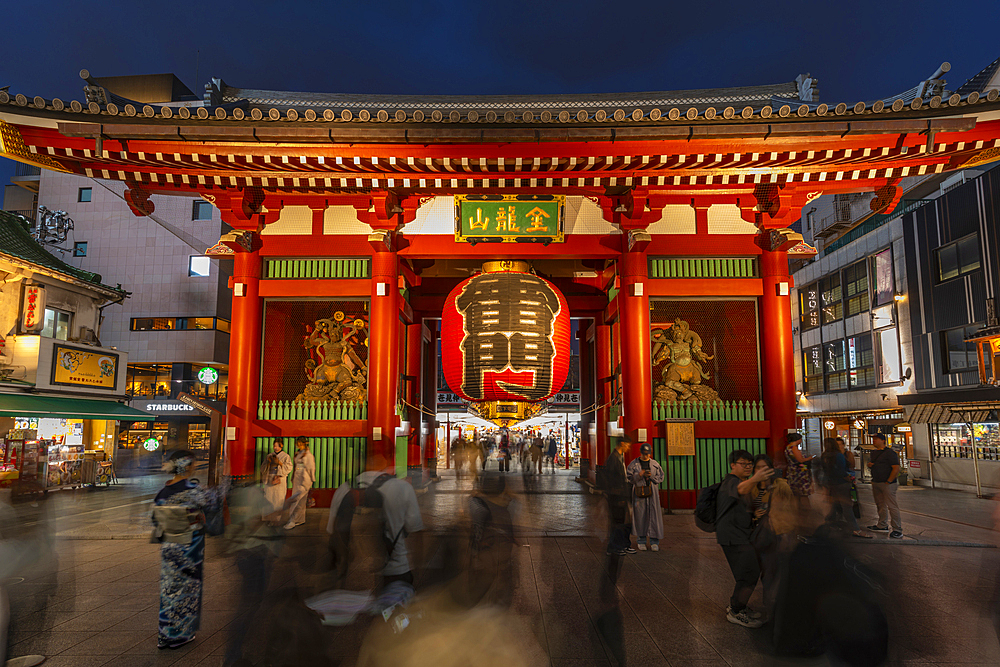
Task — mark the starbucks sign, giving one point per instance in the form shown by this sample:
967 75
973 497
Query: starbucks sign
208 375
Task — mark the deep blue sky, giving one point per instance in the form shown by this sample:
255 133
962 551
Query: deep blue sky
857 50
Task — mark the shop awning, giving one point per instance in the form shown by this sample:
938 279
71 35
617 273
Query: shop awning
25 405
937 413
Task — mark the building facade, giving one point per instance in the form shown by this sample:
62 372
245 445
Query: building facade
176 321
62 392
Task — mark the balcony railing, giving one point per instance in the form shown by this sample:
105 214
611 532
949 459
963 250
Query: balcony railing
21 169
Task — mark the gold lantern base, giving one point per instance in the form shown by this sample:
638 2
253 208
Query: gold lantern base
507 413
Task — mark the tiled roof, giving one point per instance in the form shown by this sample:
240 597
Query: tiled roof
744 95
979 81
16 242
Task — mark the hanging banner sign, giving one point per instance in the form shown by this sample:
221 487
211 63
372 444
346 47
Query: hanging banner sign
73 366
509 218
34 308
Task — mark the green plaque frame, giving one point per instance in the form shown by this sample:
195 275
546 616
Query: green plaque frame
510 218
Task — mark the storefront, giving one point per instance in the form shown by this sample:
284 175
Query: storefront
52 442
857 429
177 425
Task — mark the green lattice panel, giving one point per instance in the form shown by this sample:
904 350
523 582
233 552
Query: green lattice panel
702 267
317 268
338 460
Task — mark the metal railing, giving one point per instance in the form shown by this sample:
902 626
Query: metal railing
22 169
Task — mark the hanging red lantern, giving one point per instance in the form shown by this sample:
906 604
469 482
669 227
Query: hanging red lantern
505 336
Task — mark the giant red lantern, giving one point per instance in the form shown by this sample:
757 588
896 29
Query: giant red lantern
505 336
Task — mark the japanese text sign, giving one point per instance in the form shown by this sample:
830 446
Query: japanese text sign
76 367
34 308
509 217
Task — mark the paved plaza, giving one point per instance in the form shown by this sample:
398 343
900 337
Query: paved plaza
96 602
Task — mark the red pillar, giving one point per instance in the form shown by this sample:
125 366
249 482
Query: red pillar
586 400
605 373
414 354
776 347
633 306
244 361
383 371
429 399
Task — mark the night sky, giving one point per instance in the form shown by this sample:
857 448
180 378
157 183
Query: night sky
857 50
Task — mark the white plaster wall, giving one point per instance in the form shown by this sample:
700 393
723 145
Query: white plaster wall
343 220
293 220
726 219
677 219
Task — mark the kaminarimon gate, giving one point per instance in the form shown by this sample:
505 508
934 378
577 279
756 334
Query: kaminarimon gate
662 218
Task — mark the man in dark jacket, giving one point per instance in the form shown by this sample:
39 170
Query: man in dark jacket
619 492
733 525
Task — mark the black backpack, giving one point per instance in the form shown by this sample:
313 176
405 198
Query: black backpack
705 511
372 499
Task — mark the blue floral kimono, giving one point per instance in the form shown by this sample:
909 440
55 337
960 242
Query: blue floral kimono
181 565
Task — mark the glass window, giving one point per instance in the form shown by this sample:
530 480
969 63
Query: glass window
958 354
860 362
80 249
84 194
883 316
882 274
178 324
199 265
813 365
56 324
888 354
832 295
856 288
968 253
835 365
201 210
958 258
809 306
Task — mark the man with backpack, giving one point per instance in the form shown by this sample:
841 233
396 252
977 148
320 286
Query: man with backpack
390 505
733 525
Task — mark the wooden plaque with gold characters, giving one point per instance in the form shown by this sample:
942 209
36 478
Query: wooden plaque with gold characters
509 218
680 439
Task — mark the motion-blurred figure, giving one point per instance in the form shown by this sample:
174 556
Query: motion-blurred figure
277 467
179 517
255 543
303 478
618 492
646 475
838 482
491 575
16 555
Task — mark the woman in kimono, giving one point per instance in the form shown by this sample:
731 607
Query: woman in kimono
182 548
647 518
275 477
302 480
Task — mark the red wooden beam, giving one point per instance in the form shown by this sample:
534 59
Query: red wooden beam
356 428
704 287
292 287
